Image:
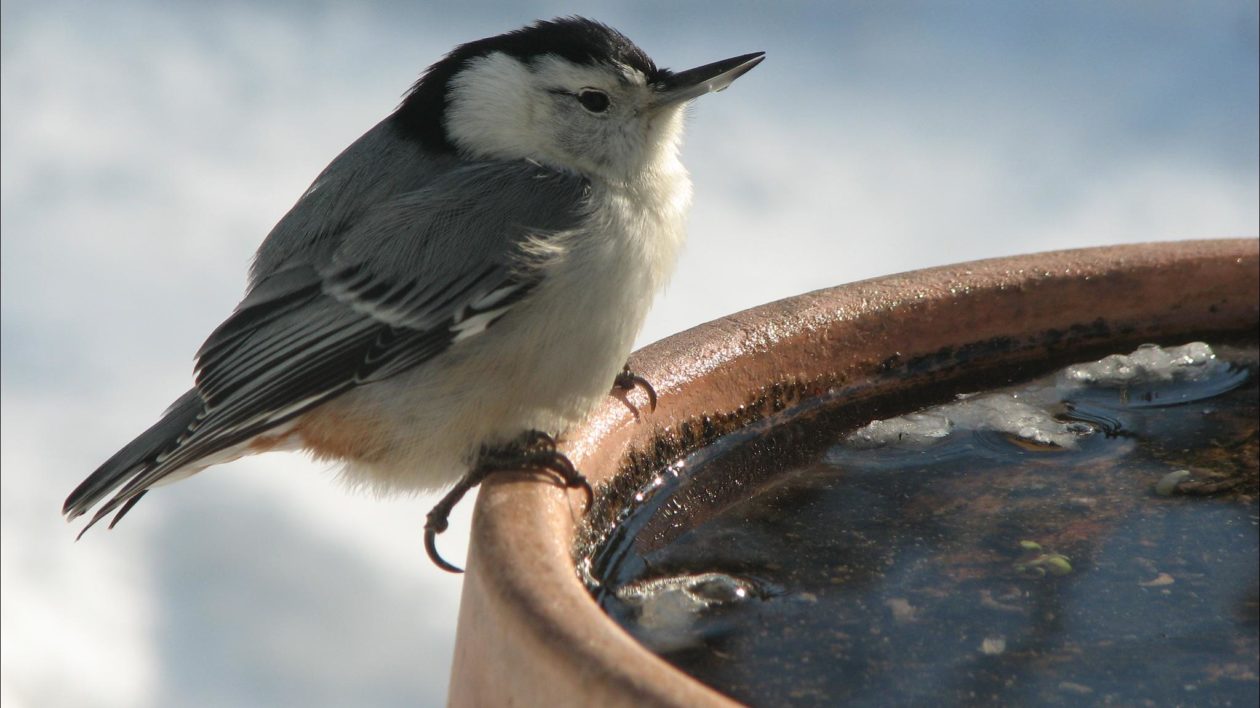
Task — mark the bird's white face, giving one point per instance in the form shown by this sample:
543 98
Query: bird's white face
598 120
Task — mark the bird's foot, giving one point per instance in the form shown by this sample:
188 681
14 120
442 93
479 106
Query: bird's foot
534 451
627 381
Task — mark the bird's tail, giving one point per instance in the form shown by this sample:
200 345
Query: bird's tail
129 465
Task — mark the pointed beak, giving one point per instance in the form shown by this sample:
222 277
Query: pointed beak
686 85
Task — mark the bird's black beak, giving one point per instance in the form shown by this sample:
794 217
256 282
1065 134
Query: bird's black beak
686 85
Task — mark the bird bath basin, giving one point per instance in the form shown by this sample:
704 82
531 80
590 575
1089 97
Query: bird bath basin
1091 532
755 533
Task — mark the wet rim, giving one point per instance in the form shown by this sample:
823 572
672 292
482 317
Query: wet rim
528 630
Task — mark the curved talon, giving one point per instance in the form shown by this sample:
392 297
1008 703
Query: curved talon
438 518
586 489
430 547
649 389
627 380
575 480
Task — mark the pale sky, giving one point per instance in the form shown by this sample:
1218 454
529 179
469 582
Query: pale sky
147 147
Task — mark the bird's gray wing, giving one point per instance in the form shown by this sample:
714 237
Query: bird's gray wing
416 273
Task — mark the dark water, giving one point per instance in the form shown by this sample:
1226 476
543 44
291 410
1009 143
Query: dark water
1086 538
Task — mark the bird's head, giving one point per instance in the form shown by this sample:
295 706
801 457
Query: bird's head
570 93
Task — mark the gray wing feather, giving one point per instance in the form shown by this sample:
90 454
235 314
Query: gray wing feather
383 295
475 218
377 167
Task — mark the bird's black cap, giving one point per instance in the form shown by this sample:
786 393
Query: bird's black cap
577 39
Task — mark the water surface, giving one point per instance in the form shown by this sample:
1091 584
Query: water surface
1087 537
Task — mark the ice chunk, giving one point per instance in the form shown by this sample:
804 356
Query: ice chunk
1019 416
912 430
669 607
1150 363
1152 376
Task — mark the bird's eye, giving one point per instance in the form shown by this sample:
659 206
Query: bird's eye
592 100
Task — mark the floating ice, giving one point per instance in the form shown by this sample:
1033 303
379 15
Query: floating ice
1151 376
912 430
1150 363
1023 416
668 607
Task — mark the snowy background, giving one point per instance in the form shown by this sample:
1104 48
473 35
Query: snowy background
148 147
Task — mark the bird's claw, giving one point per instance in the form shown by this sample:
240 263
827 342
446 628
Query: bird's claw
534 451
438 518
430 546
627 381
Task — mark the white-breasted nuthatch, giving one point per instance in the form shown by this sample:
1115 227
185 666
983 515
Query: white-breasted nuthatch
461 284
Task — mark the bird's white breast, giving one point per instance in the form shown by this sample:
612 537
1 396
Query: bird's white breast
547 362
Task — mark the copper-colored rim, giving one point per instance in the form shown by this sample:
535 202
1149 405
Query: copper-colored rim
528 630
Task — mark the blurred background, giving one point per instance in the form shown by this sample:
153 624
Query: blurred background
149 145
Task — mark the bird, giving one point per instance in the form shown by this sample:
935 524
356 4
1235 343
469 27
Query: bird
457 288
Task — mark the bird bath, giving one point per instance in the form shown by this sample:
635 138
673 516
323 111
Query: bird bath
975 572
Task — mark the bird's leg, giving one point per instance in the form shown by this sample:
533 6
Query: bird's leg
534 451
627 381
